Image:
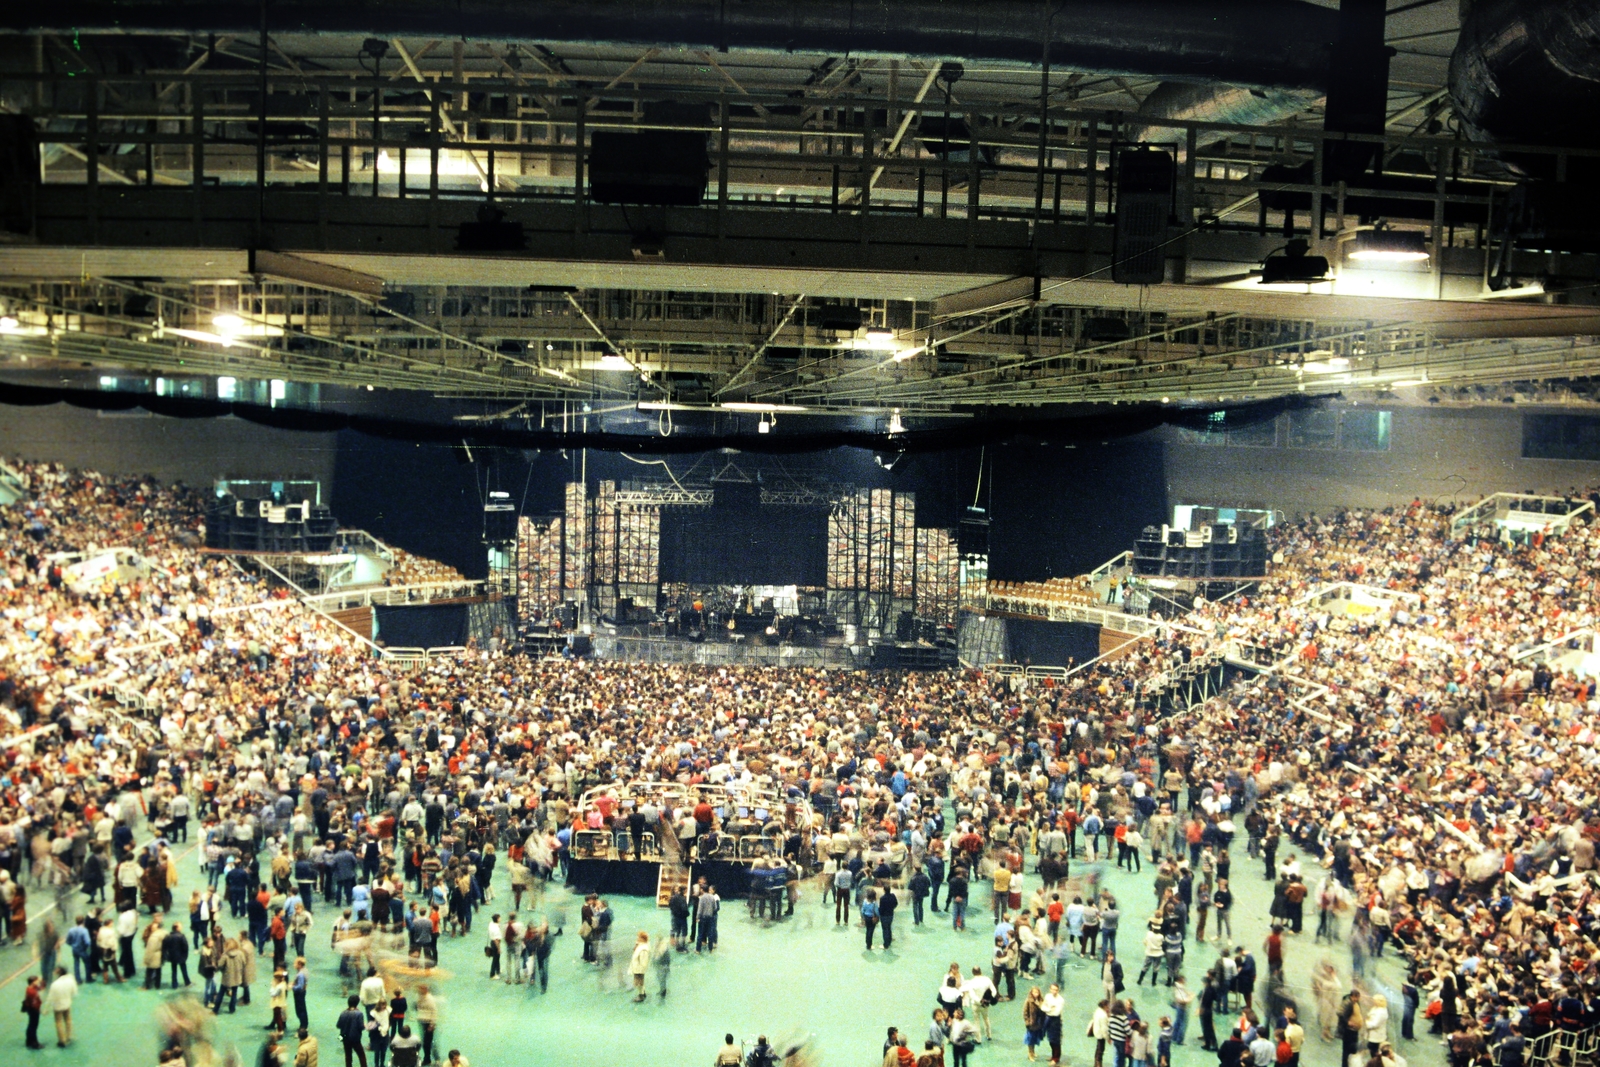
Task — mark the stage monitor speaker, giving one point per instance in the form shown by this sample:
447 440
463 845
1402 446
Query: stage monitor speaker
904 626
661 167
972 535
1146 178
499 523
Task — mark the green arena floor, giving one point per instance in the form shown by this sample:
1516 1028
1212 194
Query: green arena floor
803 975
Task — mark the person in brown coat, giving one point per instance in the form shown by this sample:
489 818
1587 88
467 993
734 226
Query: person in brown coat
233 964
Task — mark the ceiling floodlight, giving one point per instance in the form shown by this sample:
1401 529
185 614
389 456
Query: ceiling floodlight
1383 245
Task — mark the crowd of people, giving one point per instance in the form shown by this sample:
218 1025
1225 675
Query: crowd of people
1402 772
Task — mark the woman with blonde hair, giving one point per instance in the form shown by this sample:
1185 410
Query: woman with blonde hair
639 964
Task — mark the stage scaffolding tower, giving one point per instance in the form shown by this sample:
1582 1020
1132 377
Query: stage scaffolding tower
607 547
880 565
539 543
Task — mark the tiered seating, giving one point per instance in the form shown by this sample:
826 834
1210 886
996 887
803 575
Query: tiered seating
1053 592
411 569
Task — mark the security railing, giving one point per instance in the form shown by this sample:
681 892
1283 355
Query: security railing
395 595
1567 1048
1524 508
1580 640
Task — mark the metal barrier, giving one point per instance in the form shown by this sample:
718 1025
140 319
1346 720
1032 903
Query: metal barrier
1569 1048
1540 653
1017 670
395 595
759 846
591 844
623 840
1523 509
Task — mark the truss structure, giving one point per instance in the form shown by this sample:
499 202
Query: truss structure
159 171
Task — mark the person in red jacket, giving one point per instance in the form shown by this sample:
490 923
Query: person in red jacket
32 1004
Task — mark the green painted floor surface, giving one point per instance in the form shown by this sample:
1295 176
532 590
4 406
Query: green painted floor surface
804 975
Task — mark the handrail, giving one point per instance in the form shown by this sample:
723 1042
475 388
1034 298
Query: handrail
1117 562
394 595
384 551
1586 631
303 596
1323 592
1105 655
1491 505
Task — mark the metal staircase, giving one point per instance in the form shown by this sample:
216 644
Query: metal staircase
673 873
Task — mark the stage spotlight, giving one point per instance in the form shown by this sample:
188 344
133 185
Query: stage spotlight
764 426
895 425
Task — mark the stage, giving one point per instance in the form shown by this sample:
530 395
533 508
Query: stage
638 878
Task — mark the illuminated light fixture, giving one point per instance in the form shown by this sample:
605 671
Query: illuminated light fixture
230 326
1403 382
746 405
1295 266
895 425
1383 245
877 339
453 162
764 426
613 362
8 323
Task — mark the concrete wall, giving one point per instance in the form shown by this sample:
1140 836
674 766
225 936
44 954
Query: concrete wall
195 451
1449 454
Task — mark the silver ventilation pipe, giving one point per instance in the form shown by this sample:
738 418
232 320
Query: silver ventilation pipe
1234 104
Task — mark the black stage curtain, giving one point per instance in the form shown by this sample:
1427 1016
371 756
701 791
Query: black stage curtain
1099 425
434 626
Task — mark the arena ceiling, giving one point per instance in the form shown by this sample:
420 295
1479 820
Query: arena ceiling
880 233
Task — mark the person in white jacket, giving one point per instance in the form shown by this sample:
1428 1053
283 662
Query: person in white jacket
63 991
1377 1023
977 993
639 965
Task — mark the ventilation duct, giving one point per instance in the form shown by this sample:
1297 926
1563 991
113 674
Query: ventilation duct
1234 104
1528 71
1262 43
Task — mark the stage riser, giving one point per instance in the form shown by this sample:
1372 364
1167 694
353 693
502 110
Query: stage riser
638 879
